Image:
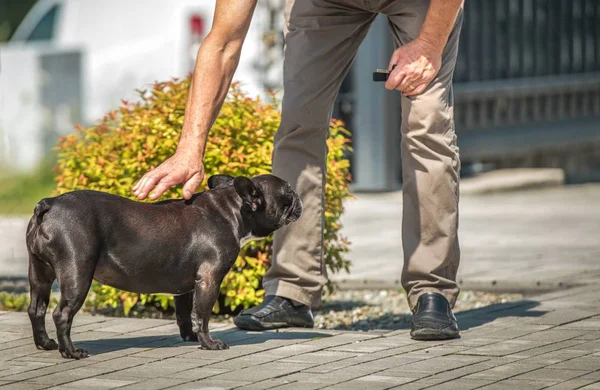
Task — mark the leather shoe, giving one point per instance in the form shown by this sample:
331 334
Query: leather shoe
275 312
433 319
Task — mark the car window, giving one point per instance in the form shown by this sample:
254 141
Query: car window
44 31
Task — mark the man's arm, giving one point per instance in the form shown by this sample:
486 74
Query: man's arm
418 62
216 63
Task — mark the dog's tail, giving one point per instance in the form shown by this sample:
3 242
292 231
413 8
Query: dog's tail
33 228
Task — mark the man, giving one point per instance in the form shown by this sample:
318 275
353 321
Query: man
322 39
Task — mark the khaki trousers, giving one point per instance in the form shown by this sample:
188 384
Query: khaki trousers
322 39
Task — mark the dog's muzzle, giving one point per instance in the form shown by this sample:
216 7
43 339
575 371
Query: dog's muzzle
295 211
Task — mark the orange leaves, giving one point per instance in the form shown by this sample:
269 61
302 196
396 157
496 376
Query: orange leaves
140 135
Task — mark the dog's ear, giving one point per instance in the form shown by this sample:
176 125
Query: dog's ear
219 181
250 194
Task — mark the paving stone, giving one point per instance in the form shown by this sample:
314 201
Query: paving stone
552 374
516 331
555 357
243 362
461 384
572 384
504 348
197 373
320 357
267 371
32 373
162 353
439 364
418 384
560 317
517 384
155 384
211 384
552 336
275 382
26 385
568 344
589 335
588 363
159 368
372 382
593 375
592 386
587 324
96 383
470 369
504 371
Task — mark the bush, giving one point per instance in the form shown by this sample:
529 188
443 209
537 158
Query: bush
114 154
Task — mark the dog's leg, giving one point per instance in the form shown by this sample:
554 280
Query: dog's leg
183 311
205 296
74 285
41 277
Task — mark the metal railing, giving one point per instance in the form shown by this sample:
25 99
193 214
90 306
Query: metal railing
527 61
528 74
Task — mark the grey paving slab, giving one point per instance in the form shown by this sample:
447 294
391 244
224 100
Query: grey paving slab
96 383
588 363
373 381
517 384
211 384
572 384
259 373
551 374
461 384
22 385
197 373
505 371
155 384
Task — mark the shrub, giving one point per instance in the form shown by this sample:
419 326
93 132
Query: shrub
112 155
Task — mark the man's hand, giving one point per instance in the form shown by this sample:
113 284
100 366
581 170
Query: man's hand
220 53
417 64
183 167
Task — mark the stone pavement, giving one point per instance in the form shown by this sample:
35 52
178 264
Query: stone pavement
550 341
538 239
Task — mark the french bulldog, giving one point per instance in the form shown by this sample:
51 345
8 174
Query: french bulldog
180 247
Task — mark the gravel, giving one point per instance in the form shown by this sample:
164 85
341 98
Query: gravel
387 309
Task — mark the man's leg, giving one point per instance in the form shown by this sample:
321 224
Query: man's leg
430 165
322 40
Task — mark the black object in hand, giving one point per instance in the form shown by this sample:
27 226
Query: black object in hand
382 74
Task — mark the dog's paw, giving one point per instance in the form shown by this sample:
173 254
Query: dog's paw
49 345
214 345
75 354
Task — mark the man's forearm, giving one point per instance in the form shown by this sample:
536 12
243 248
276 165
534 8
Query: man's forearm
439 22
214 70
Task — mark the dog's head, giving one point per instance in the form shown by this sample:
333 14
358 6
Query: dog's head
268 200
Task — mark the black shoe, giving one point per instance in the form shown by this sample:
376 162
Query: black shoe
275 312
433 319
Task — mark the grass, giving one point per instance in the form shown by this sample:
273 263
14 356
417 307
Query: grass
20 192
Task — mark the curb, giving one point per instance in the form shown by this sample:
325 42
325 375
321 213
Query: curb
503 180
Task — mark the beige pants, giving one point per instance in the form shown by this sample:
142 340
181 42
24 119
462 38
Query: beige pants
322 39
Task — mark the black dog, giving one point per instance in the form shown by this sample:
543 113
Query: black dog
179 247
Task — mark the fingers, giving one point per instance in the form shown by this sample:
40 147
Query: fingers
148 182
191 185
418 89
395 78
160 188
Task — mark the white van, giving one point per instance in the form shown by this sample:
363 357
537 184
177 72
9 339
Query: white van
129 44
